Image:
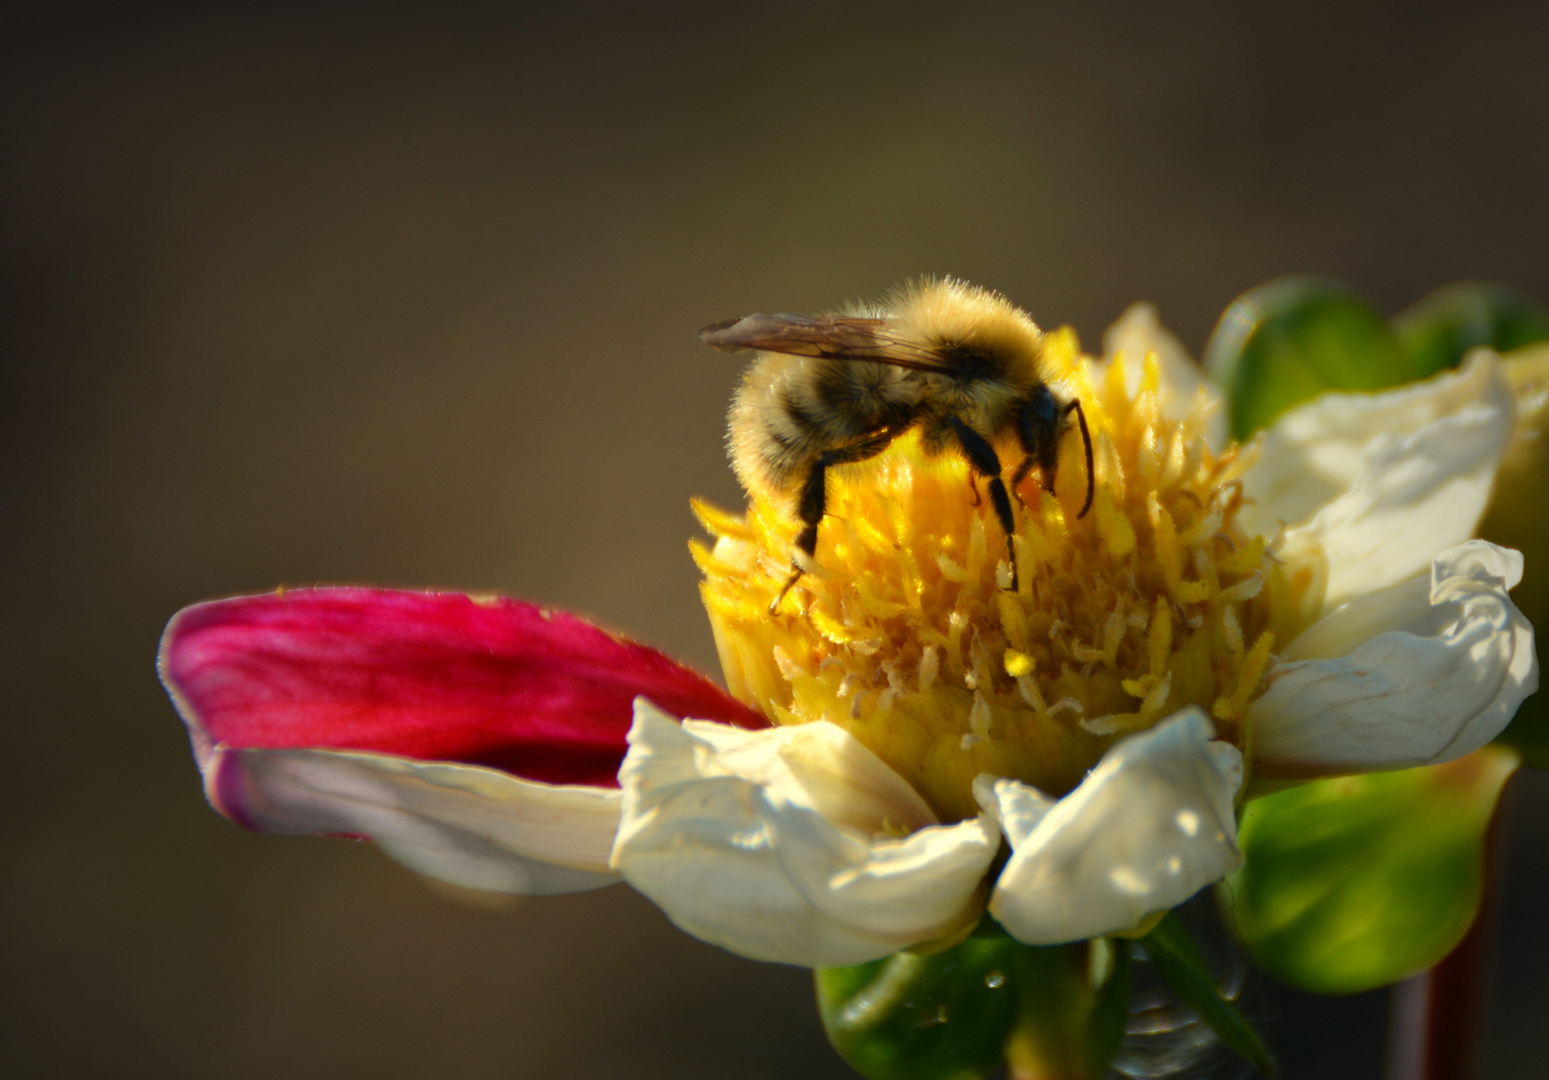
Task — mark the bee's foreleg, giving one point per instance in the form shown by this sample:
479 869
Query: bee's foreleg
983 460
1038 430
1017 477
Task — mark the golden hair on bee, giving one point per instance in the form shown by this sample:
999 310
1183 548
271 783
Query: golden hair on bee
960 364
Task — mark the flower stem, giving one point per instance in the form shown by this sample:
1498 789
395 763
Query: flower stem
1435 1015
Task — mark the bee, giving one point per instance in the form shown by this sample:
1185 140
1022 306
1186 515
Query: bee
961 364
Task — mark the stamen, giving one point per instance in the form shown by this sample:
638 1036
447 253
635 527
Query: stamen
1253 666
930 666
1232 633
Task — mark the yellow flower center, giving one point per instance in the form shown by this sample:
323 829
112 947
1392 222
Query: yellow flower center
906 634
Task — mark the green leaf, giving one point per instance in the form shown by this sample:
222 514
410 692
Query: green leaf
1290 340
1178 961
1437 330
1354 883
945 1016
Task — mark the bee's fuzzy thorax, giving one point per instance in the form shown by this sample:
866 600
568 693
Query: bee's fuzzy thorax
946 311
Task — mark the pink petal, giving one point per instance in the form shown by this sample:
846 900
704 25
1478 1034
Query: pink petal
467 824
535 692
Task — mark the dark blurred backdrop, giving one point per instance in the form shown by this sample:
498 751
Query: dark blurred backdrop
408 294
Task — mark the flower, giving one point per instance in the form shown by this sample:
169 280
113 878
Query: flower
1227 619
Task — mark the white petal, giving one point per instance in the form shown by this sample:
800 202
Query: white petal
1149 827
1383 482
1417 673
775 844
475 827
1184 385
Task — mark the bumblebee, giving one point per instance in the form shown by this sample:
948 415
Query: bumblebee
961 364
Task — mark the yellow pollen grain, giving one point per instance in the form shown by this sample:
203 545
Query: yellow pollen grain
1019 664
905 632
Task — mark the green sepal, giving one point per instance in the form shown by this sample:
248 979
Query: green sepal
1437 331
1178 961
944 1016
1354 883
1110 1015
955 1015
1072 1006
1290 340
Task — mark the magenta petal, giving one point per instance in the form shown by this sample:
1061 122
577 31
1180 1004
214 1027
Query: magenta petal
435 676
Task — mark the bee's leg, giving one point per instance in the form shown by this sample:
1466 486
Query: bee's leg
973 486
1017 477
810 508
983 460
813 503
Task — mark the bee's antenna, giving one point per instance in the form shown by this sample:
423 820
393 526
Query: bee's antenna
1086 438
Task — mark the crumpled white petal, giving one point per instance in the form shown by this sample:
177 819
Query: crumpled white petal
1413 674
1383 482
792 844
472 826
1150 826
1138 332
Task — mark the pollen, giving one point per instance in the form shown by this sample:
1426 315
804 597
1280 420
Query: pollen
904 630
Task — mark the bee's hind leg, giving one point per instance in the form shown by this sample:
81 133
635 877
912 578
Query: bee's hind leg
807 543
813 503
983 460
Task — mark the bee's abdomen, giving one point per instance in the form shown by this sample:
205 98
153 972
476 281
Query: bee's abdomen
791 409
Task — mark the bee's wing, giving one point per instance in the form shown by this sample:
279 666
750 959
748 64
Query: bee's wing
833 337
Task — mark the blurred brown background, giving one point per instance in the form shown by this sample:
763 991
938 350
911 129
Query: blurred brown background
408 294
